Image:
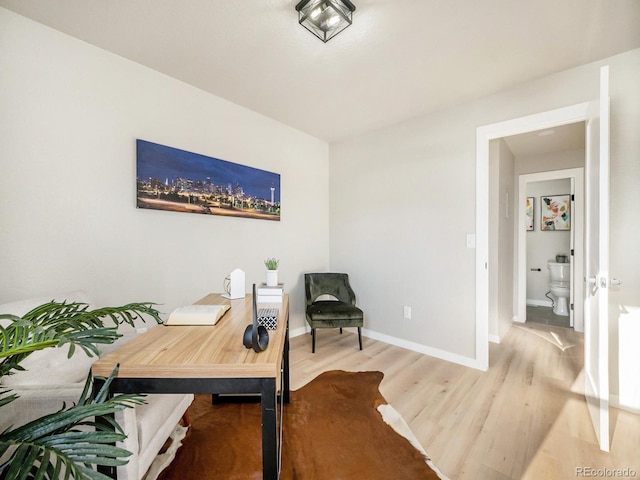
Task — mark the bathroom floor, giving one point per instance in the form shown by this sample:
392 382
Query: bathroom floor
546 316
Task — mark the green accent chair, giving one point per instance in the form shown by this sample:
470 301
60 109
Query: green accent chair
339 313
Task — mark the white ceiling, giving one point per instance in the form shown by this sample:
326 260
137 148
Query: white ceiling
399 59
557 139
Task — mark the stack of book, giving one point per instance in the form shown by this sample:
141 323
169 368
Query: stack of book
267 294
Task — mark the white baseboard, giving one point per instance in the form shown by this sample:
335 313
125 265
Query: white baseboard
539 303
494 338
415 347
614 401
297 332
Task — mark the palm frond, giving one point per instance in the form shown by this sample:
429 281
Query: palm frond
6 397
53 443
55 324
75 312
66 444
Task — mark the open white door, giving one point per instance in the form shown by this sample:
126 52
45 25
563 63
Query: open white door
572 249
597 280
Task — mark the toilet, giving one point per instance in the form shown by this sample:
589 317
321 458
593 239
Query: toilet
559 286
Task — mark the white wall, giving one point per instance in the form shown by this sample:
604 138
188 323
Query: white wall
501 227
505 227
403 200
401 205
549 161
543 246
69 117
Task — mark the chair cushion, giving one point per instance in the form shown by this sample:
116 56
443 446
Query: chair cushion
334 314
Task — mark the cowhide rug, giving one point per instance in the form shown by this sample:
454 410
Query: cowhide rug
333 429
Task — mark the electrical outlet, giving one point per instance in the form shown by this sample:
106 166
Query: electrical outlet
407 312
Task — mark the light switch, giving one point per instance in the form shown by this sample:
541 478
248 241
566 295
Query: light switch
471 240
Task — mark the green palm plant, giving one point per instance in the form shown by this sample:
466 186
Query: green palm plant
66 444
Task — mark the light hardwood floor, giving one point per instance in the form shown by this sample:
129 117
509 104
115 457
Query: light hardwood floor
525 418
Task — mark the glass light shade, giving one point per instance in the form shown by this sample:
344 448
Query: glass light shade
325 18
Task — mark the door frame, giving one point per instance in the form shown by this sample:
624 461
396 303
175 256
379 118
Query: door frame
484 134
577 233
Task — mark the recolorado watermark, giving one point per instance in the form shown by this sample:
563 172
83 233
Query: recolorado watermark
593 472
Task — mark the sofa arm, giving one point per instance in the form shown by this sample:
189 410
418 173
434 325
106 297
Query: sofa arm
127 421
147 427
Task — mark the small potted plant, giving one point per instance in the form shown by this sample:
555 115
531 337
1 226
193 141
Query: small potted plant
272 271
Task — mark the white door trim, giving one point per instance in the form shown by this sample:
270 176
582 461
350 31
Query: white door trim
484 134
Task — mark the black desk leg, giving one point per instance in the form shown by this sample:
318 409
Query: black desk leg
285 367
269 430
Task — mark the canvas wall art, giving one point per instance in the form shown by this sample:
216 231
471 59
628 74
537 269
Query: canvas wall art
179 181
529 213
555 212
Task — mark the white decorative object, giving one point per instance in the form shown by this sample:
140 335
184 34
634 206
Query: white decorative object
272 271
234 285
272 278
270 294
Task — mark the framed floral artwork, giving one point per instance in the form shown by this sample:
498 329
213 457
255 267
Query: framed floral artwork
529 213
555 212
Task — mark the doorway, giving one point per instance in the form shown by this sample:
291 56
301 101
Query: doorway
538 122
574 180
596 299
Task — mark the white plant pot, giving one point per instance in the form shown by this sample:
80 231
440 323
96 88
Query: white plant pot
272 278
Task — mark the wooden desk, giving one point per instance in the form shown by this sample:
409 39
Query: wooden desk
209 359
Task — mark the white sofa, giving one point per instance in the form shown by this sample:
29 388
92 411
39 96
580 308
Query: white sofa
52 379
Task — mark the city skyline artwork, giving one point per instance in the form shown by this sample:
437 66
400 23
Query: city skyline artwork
176 180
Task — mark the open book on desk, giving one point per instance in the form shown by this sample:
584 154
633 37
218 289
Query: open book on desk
197 315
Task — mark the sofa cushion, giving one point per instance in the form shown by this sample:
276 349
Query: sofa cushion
50 366
21 307
34 403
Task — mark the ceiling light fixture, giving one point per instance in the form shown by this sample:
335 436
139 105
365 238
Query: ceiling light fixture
325 18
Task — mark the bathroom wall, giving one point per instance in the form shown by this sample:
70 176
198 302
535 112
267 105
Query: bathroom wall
543 246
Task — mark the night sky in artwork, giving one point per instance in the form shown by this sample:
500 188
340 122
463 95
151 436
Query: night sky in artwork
159 161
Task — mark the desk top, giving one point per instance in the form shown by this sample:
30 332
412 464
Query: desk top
201 351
